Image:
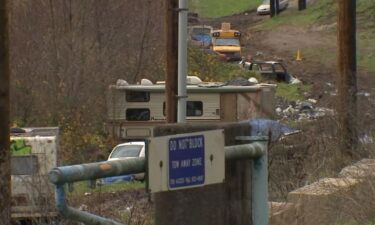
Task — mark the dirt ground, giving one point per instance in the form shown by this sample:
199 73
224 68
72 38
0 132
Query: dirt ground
283 42
132 207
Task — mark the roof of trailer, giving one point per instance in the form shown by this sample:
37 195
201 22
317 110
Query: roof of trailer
35 131
201 88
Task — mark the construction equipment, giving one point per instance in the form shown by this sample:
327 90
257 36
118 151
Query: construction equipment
227 41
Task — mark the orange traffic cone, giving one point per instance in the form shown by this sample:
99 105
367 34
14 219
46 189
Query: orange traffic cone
298 57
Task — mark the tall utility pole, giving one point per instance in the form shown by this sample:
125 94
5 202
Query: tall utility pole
171 31
5 189
182 60
347 78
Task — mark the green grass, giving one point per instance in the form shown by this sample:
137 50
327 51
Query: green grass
319 12
219 8
209 68
352 222
83 187
292 92
366 49
324 12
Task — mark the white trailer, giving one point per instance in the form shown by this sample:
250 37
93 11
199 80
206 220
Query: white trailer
34 154
133 110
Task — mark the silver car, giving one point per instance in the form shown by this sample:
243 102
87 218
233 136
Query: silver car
129 150
264 8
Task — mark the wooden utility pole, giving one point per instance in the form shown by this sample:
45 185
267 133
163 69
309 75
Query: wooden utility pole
347 78
5 189
171 31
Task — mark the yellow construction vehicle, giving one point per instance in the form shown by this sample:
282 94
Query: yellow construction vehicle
227 41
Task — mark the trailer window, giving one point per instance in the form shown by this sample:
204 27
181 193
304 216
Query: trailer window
24 165
137 114
193 108
137 96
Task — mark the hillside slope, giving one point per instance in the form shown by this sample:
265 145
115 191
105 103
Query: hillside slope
219 8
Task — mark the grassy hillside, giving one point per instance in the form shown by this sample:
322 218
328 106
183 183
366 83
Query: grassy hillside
323 13
219 8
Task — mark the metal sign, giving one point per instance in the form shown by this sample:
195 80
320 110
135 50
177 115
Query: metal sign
186 160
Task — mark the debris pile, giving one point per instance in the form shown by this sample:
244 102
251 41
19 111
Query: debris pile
303 110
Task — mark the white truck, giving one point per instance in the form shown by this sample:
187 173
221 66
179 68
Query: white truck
34 154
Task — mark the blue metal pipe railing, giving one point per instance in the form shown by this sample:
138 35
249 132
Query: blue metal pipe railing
68 174
75 214
92 171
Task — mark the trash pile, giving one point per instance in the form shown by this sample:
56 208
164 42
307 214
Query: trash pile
304 110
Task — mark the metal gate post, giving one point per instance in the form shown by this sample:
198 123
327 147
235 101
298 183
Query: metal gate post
260 190
259 179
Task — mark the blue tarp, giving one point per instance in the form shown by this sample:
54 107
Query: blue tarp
205 38
262 127
117 179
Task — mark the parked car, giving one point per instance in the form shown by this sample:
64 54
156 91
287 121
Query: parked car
264 8
126 151
270 70
200 36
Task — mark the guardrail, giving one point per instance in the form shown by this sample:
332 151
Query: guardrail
69 174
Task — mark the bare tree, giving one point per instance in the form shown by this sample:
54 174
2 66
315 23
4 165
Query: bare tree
66 53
